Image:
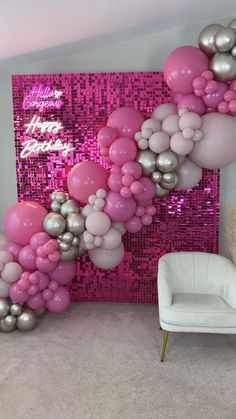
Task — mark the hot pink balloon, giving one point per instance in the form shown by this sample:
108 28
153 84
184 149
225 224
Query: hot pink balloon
212 100
118 208
60 301
189 175
39 239
85 179
36 301
182 66
134 225
112 239
148 191
43 280
106 259
122 150
193 104
11 272
14 249
218 146
106 136
23 220
27 258
126 120
136 187
115 182
45 265
17 295
132 168
64 272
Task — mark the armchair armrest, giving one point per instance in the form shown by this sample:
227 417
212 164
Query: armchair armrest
230 285
164 284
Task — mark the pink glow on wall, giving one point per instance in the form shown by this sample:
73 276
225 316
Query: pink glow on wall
186 220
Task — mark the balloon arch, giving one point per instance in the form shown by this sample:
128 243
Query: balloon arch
148 158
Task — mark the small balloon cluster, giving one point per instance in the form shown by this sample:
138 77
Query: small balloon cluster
15 316
204 78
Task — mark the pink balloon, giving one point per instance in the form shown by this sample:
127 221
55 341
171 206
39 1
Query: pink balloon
36 301
17 295
43 280
5 257
115 182
232 106
118 208
148 191
14 249
64 272
170 125
122 150
4 288
159 141
180 145
218 146
146 219
27 258
106 259
132 168
134 225
189 175
212 100
85 179
39 239
182 66
4 241
106 136
112 239
45 265
98 223
136 187
60 301
11 272
125 192
126 120
23 220
193 104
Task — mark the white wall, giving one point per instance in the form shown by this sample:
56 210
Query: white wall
147 53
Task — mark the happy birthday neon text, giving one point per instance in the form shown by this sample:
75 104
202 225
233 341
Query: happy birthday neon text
34 146
44 126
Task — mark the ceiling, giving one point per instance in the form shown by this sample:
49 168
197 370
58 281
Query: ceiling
28 26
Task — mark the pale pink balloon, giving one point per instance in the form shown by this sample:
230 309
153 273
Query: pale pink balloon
36 301
152 124
98 223
218 146
44 265
27 258
134 225
14 249
60 301
5 256
164 110
39 239
189 175
23 220
148 191
112 239
180 145
64 272
106 136
190 120
106 259
118 208
212 100
170 124
115 182
17 295
126 120
87 210
132 168
193 104
120 227
122 150
4 288
159 141
11 272
4 241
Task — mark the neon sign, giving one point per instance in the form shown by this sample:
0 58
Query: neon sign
33 146
44 126
43 98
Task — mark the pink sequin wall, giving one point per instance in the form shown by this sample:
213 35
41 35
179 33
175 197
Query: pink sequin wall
186 220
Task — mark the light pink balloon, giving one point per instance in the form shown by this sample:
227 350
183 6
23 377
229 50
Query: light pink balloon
170 124
11 272
164 110
122 150
60 301
17 295
132 168
126 120
189 175
120 227
98 223
148 191
212 100
36 301
159 141
5 256
152 124
4 241
180 145
118 208
14 249
133 225
27 258
218 146
4 288
115 182
193 104
190 120
112 239
106 259
23 220
64 272
39 239
106 136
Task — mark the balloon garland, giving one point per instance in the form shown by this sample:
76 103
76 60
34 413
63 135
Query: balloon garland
148 158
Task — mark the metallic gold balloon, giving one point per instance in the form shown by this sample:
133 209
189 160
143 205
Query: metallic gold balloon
147 159
167 161
156 176
64 246
26 320
60 197
160 192
54 224
6 329
9 320
75 223
75 241
16 309
55 206
225 39
69 207
67 237
170 180
223 65
232 24
70 254
4 307
206 39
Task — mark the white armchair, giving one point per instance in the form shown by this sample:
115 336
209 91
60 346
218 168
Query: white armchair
196 293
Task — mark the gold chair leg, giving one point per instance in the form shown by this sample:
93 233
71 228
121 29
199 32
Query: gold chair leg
165 339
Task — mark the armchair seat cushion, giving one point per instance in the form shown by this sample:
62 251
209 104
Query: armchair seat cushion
199 310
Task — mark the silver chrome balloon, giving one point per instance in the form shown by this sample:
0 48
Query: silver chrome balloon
60 197
16 309
206 39
67 237
70 254
160 192
64 246
26 320
55 206
147 159
225 39
232 24
54 224
170 180
167 161
75 223
156 176
223 65
69 207
4 307
53 196
233 51
75 241
10 320
6 329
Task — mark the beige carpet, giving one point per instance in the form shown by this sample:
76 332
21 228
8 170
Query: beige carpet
101 361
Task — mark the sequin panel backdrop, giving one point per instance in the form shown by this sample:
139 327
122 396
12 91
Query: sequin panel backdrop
185 220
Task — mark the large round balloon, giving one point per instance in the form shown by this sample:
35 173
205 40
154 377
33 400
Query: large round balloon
126 120
182 66
85 179
218 146
23 220
118 208
107 259
189 174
